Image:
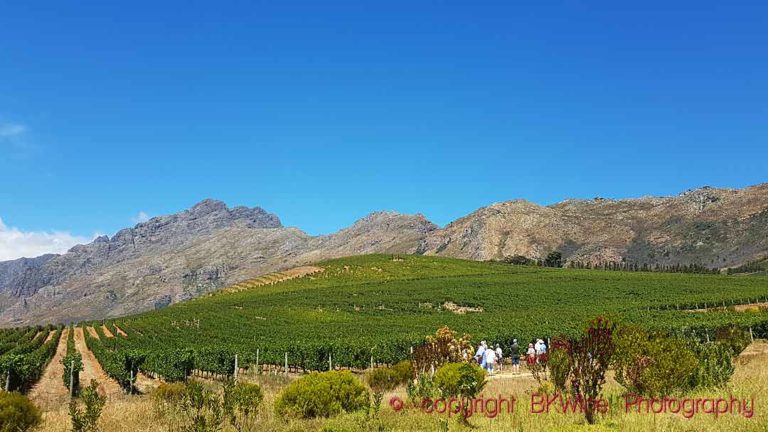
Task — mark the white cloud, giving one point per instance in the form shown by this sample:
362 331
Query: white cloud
141 217
8 130
15 243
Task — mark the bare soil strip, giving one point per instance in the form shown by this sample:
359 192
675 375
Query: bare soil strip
50 391
121 332
146 384
747 307
273 278
106 331
92 369
93 333
50 336
755 349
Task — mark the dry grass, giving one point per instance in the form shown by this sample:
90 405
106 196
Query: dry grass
137 413
92 369
50 390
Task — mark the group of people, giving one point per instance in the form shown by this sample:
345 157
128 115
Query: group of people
492 359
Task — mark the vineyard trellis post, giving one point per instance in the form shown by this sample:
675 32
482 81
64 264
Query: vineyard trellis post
71 379
286 364
330 362
8 380
258 371
751 336
236 367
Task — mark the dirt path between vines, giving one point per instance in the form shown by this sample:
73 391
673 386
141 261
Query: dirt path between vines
106 331
50 336
274 278
92 369
92 332
50 391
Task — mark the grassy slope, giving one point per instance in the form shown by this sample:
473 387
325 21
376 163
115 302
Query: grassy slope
375 302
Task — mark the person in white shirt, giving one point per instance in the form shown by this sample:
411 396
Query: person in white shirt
490 360
480 354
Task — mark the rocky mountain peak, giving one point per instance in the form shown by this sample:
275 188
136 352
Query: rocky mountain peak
393 219
207 206
207 215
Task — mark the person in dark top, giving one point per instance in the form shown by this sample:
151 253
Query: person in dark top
514 352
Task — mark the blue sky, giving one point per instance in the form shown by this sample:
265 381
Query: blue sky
324 111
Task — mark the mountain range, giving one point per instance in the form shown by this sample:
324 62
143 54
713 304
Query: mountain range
173 258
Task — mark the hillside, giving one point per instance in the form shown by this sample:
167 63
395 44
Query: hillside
173 258
712 227
752 268
378 306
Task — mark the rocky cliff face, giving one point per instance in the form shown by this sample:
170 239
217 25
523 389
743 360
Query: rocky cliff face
19 275
173 258
707 226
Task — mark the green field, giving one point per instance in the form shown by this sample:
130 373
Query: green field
375 306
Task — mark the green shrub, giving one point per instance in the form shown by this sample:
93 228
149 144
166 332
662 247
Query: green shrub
322 395
168 396
381 380
240 402
653 364
460 380
559 364
404 371
420 389
17 413
715 365
202 407
87 419
733 337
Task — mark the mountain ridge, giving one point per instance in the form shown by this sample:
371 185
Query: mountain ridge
172 258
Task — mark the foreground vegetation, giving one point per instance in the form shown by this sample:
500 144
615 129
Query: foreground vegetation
209 405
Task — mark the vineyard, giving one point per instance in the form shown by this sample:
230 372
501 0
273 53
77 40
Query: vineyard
24 353
375 308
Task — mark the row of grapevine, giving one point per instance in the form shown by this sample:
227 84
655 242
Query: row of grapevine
73 364
120 365
23 364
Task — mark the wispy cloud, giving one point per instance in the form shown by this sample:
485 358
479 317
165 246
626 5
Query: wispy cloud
141 217
15 243
8 130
